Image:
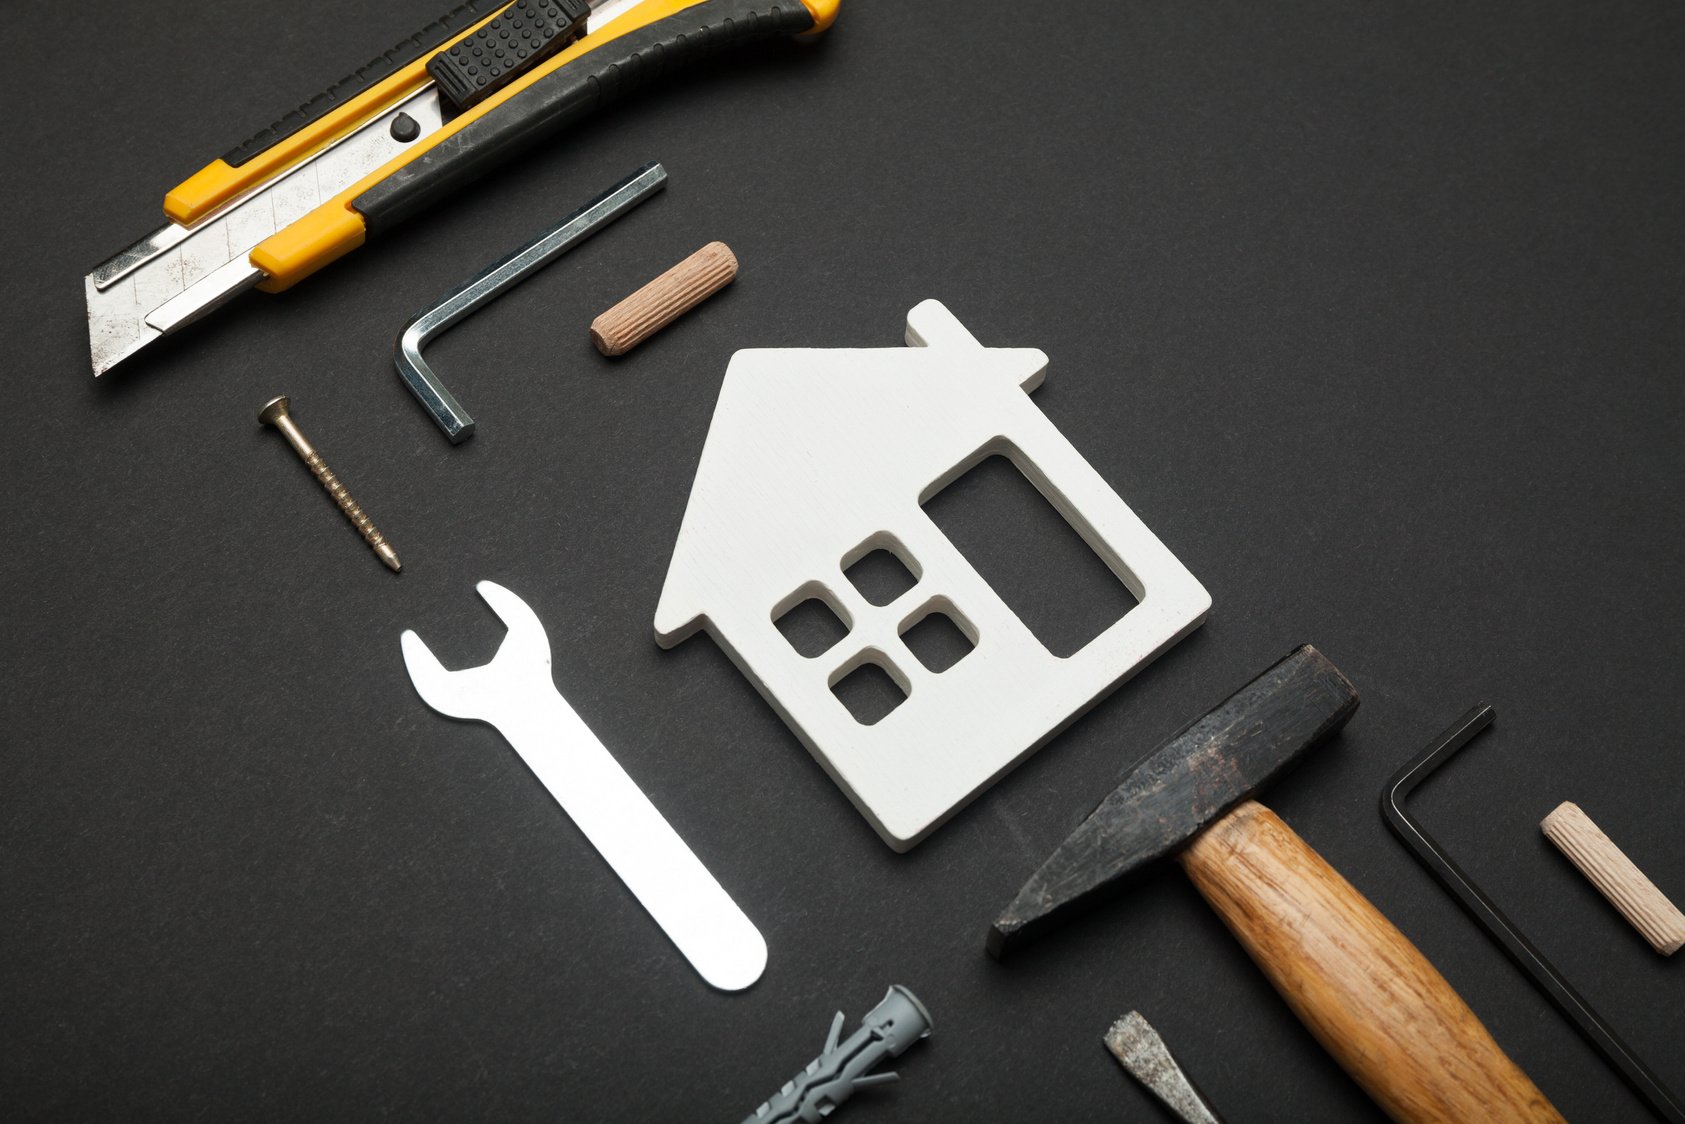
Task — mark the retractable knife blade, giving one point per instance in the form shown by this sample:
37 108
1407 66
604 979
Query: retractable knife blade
468 92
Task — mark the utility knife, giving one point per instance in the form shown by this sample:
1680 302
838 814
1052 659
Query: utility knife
466 93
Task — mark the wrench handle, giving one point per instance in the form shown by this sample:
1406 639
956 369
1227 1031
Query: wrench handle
643 849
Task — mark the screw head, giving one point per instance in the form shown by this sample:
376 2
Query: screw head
273 409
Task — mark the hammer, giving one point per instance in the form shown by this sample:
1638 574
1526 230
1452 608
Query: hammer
1366 993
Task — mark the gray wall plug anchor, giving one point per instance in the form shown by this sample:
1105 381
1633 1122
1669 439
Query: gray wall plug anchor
842 1069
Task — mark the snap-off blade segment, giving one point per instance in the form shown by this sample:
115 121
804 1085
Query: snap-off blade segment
177 274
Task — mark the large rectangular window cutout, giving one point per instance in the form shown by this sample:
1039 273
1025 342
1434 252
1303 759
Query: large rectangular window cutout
1036 561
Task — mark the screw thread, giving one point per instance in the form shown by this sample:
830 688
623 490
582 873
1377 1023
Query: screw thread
352 509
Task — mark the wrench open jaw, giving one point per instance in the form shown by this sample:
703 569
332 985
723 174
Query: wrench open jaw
522 663
516 693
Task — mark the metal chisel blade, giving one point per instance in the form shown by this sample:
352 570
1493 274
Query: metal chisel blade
177 274
1140 1050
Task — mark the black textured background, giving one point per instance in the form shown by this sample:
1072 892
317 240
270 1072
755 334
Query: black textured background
1372 312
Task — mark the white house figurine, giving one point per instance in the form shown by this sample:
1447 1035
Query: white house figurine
816 458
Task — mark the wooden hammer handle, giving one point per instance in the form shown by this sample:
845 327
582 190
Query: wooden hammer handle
1371 999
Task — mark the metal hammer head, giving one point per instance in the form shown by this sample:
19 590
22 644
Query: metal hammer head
1182 787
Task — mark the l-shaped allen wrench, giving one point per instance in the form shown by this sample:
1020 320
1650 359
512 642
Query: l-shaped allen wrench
1516 946
441 405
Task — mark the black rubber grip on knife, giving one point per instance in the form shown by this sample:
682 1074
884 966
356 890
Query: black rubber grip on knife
508 45
453 22
570 93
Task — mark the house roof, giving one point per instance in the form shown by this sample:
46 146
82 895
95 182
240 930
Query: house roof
830 446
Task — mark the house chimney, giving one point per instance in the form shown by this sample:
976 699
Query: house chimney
930 324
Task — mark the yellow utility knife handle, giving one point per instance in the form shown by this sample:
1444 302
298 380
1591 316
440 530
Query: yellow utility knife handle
647 40
325 118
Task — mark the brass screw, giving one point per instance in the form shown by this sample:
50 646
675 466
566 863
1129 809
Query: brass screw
274 413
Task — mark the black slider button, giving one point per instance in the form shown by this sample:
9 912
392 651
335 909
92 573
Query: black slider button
513 42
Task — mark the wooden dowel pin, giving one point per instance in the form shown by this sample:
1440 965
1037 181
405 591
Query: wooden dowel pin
1616 877
664 300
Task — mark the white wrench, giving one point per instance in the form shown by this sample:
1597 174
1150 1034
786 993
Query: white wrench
516 694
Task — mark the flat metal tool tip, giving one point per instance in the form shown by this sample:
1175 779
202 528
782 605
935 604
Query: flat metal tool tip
1000 939
1138 1048
1128 1034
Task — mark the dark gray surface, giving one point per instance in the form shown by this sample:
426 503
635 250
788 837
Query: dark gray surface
1372 314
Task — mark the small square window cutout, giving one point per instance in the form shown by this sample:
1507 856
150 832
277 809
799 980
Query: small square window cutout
812 627
881 575
869 692
938 641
